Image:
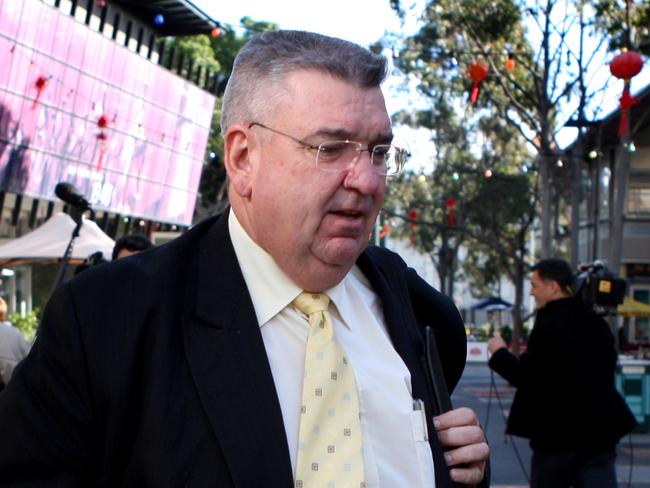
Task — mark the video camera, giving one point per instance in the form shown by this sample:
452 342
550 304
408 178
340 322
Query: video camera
600 290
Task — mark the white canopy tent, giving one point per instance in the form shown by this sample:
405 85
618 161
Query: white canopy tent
48 242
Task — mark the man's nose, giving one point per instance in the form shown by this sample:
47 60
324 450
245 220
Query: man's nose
362 175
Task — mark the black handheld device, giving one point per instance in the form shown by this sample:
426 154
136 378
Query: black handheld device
441 398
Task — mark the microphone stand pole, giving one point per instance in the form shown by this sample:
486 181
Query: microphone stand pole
77 216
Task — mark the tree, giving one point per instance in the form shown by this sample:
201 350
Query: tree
500 225
478 199
537 61
418 203
614 16
414 210
481 174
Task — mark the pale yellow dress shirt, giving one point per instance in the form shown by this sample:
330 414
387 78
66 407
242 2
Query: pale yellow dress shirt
395 446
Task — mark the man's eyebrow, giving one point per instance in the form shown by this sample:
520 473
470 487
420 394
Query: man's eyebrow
342 134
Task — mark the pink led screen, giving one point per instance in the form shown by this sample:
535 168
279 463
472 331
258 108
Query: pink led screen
77 107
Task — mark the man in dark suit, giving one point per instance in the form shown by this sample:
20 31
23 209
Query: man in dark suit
566 401
184 365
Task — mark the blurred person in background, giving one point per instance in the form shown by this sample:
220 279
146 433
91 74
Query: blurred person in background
13 346
566 401
130 244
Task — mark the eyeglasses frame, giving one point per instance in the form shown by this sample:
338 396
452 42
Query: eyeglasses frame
313 147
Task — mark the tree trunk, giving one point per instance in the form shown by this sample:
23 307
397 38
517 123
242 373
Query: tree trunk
545 220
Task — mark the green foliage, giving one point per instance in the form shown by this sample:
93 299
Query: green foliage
27 324
501 205
611 18
492 215
227 45
195 50
482 270
455 34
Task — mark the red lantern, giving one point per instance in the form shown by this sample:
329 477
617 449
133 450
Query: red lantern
39 84
450 204
216 32
625 66
101 3
477 72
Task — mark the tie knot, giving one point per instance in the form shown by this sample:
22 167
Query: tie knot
309 303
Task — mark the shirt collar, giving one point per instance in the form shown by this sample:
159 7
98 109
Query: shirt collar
270 288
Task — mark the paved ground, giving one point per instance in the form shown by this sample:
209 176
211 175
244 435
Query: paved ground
511 456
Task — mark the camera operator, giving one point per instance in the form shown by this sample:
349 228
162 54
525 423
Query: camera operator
566 402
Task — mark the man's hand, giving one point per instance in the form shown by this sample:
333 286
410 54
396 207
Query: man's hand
496 342
466 450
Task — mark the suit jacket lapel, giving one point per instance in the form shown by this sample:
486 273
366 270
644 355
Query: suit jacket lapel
229 365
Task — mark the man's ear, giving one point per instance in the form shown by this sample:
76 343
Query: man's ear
556 288
237 145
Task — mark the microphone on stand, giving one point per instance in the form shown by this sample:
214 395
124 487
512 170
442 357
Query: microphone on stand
70 195
79 205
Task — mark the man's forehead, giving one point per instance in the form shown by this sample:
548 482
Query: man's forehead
334 107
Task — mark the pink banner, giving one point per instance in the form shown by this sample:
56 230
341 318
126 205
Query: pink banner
77 107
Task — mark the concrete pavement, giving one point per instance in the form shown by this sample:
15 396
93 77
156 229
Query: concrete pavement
510 459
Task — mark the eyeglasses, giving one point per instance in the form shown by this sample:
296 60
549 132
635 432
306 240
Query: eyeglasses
335 156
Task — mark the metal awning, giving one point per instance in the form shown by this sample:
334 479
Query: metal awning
182 17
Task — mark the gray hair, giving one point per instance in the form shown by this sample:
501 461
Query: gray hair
267 58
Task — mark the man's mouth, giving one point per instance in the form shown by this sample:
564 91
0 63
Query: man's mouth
352 214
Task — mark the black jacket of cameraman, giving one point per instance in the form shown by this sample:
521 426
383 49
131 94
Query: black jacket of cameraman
566 396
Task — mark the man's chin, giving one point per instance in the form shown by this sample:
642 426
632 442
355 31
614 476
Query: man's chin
343 251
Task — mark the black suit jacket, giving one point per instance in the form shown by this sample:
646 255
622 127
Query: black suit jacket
151 372
566 397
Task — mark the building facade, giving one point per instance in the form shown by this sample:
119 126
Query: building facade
84 99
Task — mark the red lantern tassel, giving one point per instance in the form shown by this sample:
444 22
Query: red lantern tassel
452 221
627 101
475 89
450 204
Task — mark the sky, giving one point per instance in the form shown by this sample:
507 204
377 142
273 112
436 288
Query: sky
360 21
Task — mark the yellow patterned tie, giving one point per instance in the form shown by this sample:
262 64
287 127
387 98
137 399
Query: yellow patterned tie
329 445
